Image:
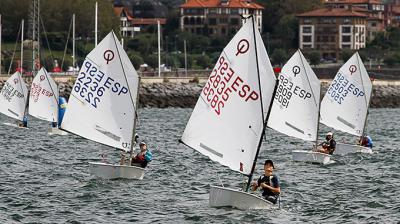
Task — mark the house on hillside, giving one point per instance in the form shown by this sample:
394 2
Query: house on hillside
329 30
217 17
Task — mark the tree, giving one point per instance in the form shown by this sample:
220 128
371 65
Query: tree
136 59
315 57
279 56
346 54
152 60
203 61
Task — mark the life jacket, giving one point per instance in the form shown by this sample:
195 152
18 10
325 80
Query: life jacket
148 156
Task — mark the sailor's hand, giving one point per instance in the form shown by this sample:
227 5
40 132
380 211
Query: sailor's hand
255 185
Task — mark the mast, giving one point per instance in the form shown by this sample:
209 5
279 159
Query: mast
95 25
184 46
22 45
73 42
159 48
0 43
262 108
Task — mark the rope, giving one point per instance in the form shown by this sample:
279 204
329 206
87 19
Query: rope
47 40
66 45
15 49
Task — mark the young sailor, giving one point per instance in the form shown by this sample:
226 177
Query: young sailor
269 183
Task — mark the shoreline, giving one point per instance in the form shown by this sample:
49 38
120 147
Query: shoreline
184 92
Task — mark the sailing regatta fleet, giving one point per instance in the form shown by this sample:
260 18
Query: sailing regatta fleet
241 97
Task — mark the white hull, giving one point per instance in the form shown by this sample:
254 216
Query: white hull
225 197
14 125
310 156
343 149
56 131
111 171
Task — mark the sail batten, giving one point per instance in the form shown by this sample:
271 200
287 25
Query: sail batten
102 103
227 121
296 104
345 104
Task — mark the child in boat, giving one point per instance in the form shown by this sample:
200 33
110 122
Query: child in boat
143 157
329 145
269 183
366 141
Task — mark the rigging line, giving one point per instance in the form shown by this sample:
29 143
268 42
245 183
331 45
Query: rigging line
308 80
22 89
66 44
48 81
48 44
15 49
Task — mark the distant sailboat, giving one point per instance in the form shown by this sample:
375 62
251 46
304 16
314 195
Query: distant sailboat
103 103
228 121
43 103
346 102
13 98
295 110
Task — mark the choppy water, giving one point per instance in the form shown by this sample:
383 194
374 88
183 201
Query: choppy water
45 179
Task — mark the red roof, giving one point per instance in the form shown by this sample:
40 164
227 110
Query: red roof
218 4
118 11
353 2
332 12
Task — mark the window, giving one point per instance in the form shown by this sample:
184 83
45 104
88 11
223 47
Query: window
346 38
234 11
306 45
346 29
212 21
307 39
307 21
223 20
346 46
235 21
306 29
213 11
223 31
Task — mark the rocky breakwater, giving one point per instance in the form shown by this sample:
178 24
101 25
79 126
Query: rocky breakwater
386 94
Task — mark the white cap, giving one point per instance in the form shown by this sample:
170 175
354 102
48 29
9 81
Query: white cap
329 133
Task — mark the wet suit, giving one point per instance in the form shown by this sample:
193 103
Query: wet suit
272 181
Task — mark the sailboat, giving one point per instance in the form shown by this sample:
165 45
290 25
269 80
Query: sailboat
228 121
295 110
13 98
102 106
43 103
346 102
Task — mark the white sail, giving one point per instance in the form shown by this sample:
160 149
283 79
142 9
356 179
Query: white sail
345 104
227 121
101 106
43 98
295 108
13 97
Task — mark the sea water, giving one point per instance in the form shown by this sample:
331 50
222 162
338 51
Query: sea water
45 179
